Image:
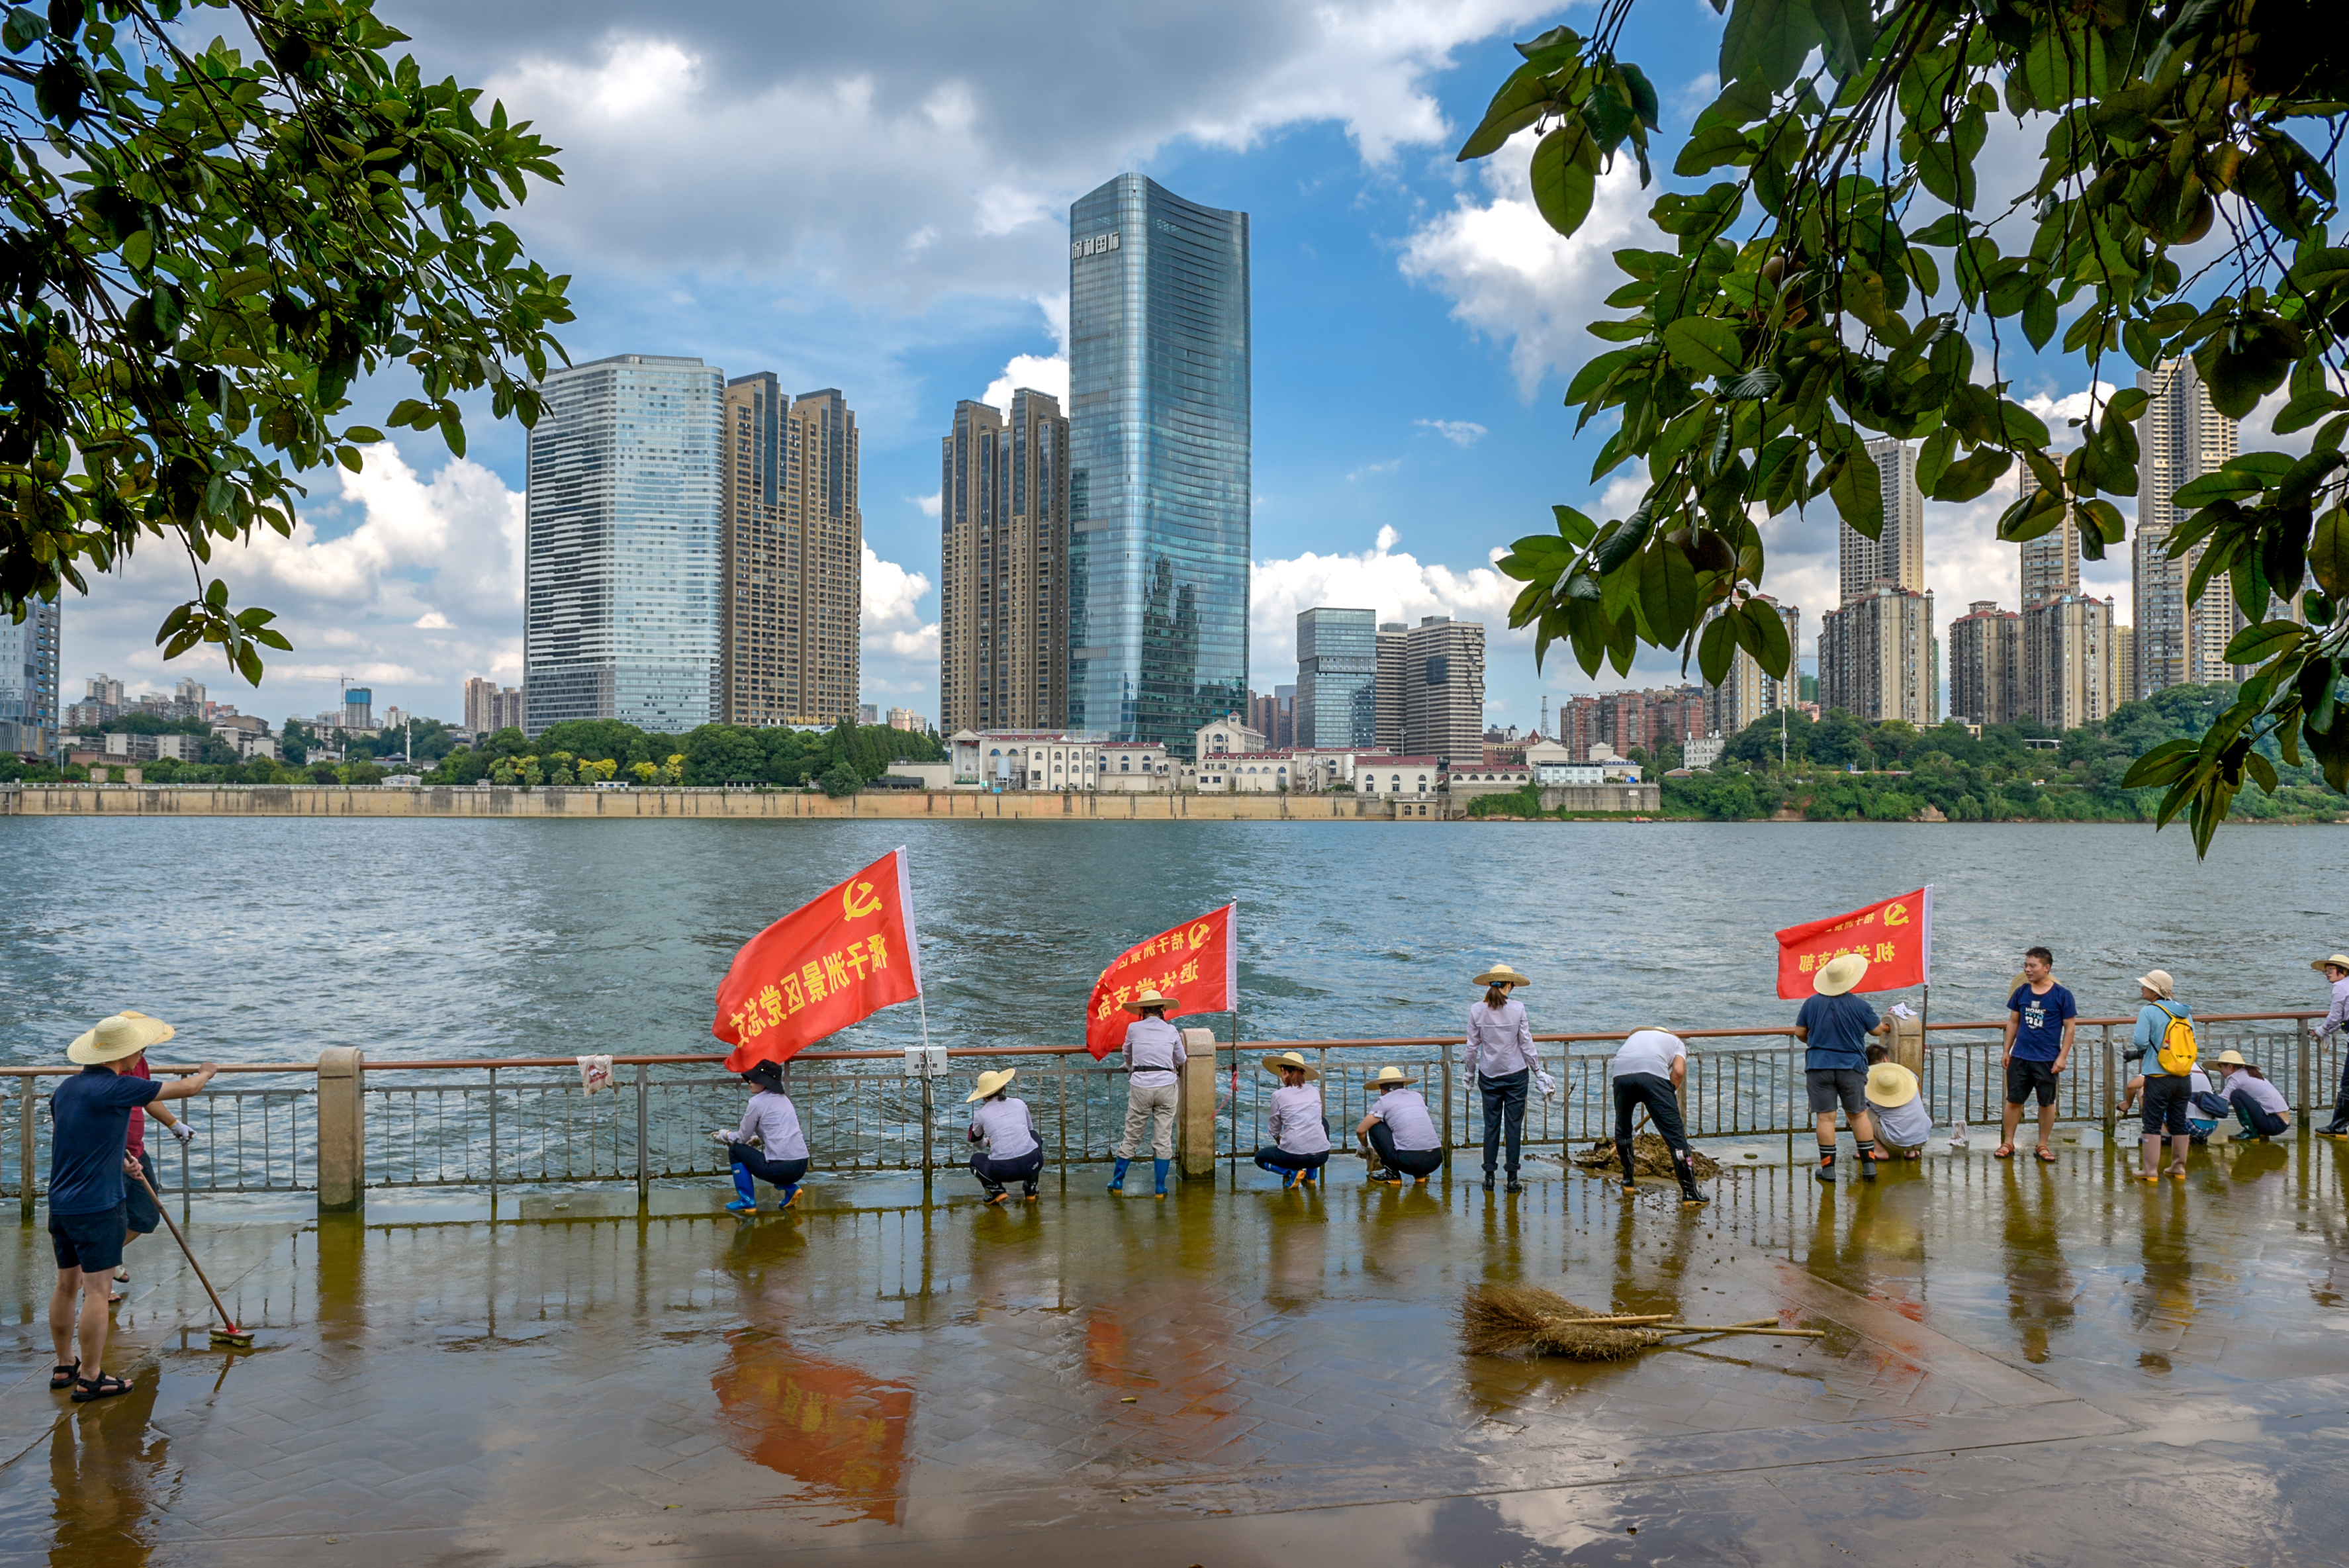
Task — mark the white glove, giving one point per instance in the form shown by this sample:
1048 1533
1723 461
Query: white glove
724 1134
1549 1084
183 1132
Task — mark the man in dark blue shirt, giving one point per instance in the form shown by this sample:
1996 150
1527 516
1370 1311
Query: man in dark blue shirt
2041 1018
1835 1024
88 1155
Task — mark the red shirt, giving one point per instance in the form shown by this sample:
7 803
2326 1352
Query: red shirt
137 1068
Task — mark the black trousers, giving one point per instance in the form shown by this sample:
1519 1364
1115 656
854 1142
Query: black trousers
1273 1157
2258 1123
1410 1161
1504 1110
773 1172
1663 1106
2341 1097
993 1173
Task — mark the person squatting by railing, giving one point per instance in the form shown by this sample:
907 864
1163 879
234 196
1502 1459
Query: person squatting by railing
1398 1137
1005 1129
1649 1070
89 1155
1833 1027
781 1156
2258 1104
1300 1138
1498 1055
1154 1058
1896 1106
2335 971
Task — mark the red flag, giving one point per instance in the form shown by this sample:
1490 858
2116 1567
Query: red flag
1196 962
1895 937
844 956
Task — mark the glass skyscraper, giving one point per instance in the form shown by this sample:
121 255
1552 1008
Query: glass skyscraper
29 679
620 609
1158 468
1338 679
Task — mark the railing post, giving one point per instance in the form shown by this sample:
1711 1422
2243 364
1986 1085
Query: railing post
494 1134
644 1166
342 1129
1195 1105
28 1123
1447 1111
2306 1081
930 1114
2111 1113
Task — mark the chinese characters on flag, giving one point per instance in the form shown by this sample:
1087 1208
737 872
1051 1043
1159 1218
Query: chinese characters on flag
1195 963
844 956
1896 937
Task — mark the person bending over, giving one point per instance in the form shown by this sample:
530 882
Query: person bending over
1896 1105
780 1156
1005 1131
1398 1137
1648 1069
1300 1138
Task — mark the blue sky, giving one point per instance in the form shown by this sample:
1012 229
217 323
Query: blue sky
876 200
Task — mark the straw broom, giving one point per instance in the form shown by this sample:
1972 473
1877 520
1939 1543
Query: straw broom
1496 1319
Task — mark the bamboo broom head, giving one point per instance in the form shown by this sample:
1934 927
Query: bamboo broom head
1497 1319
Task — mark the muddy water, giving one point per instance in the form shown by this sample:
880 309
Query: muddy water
265 940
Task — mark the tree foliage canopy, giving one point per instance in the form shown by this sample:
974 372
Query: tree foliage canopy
200 252
1835 284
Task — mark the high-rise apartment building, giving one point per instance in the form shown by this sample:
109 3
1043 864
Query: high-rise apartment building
1338 679
1647 719
791 616
29 656
2180 437
490 707
2069 673
623 554
1159 482
1394 649
1876 657
2051 563
1444 689
1897 555
1003 519
1986 663
1746 694
2124 665
1273 714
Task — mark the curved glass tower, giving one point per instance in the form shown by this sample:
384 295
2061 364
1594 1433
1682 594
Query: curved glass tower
1158 463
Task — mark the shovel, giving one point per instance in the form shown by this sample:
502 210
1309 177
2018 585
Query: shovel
228 1336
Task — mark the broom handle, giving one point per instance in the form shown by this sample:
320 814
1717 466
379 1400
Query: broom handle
1742 1329
1603 1322
226 1321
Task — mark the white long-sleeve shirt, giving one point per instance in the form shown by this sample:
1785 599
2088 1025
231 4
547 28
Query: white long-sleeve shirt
1404 1110
1296 1120
774 1120
1007 1127
1500 1042
2338 1018
1154 1049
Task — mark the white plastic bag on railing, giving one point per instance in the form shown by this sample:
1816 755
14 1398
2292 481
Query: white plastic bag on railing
595 1073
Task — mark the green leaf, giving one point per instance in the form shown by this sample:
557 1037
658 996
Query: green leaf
2039 319
1565 176
1716 650
1713 148
1857 492
1971 476
1777 652
21 28
1517 105
2258 644
1576 529
2165 764
1766 41
1705 345
2328 552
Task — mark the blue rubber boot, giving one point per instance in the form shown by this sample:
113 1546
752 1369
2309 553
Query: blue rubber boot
1160 1166
791 1196
749 1202
1117 1182
1288 1178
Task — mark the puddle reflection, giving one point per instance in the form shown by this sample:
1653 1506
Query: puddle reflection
829 1426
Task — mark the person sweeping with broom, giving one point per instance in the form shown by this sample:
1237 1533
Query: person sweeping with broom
1649 1070
88 1160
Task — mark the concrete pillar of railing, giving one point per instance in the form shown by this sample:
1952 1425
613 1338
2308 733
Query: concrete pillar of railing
342 1131
1195 1106
1908 1043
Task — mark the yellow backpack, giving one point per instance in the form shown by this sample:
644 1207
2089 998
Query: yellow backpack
2178 1052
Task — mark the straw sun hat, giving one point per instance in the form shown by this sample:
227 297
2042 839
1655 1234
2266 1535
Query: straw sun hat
1838 976
2338 961
126 1034
1288 1061
1390 1078
1502 975
990 1083
2159 983
1149 999
2233 1059
1891 1085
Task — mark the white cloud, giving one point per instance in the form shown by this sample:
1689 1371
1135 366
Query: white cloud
1036 373
927 505
1372 470
901 649
1459 432
1513 278
1398 585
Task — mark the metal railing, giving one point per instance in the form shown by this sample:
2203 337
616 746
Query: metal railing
525 1122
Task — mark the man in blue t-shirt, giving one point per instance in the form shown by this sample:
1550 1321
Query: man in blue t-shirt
1835 1024
88 1158
2041 1018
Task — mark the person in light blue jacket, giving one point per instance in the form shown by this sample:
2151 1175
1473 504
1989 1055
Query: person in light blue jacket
2168 1097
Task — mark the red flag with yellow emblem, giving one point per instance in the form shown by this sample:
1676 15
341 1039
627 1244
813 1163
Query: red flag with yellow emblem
1895 937
843 956
1196 962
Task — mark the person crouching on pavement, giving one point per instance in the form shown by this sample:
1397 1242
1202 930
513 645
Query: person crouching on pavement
1300 1138
1648 1069
2335 971
1399 1137
1153 1060
1006 1128
781 1159
2259 1105
89 1156
1835 1025
1903 1125
1499 1059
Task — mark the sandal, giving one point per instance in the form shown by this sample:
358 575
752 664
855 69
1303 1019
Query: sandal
62 1378
103 1386
2179 1171
2003 1151
2046 1156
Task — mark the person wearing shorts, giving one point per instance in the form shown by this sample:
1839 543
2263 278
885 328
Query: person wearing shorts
2041 1018
2168 1097
88 1156
1835 1025
1399 1137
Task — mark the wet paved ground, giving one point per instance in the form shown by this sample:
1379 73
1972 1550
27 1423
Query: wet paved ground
2022 1364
